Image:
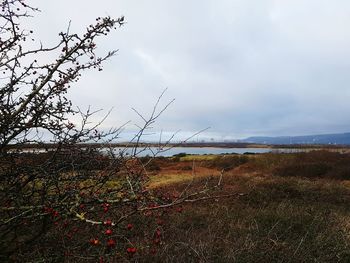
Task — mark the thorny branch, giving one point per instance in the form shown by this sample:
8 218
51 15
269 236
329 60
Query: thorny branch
70 182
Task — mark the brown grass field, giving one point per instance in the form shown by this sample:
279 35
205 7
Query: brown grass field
283 208
271 207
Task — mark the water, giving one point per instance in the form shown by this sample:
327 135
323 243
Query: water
167 152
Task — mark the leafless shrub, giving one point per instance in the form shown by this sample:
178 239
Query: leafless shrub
72 198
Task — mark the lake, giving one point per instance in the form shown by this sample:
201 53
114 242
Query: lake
167 152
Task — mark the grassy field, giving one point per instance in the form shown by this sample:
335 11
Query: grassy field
270 207
283 208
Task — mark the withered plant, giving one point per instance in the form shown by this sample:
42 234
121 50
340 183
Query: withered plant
64 193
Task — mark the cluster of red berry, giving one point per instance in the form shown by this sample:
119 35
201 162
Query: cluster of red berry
105 207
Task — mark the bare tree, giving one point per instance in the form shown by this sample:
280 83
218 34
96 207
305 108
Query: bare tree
69 197
33 101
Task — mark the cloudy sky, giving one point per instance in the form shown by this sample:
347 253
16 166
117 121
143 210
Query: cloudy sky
243 68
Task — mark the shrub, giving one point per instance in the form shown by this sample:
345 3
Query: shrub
72 201
226 162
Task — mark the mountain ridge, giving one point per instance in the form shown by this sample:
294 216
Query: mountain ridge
332 138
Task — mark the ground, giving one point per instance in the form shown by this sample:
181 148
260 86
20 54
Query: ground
271 207
283 208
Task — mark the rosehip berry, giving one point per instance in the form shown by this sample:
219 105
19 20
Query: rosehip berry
108 232
129 226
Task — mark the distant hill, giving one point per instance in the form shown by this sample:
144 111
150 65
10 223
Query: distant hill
341 138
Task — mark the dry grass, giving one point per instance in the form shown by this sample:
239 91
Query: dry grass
279 218
288 208
181 173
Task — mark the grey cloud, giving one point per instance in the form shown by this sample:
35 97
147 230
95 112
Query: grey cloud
242 67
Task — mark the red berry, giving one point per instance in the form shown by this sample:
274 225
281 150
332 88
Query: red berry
94 241
111 242
108 232
108 222
105 207
129 226
55 213
131 250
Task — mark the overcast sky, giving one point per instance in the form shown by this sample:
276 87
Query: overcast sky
241 67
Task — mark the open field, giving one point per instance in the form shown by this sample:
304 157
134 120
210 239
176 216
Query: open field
270 208
288 208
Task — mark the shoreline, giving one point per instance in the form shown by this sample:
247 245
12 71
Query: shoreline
182 145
